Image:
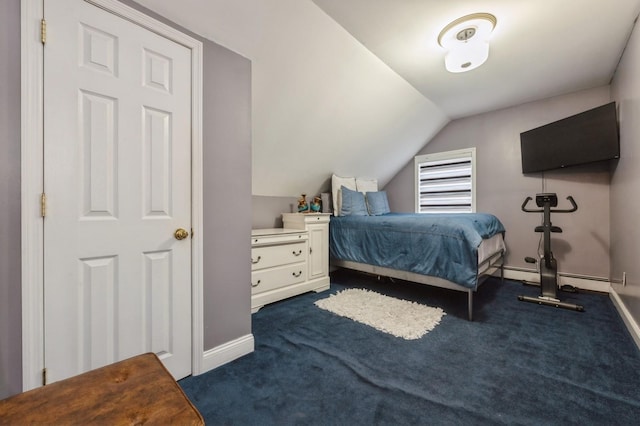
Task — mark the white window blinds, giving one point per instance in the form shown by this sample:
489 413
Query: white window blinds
445 182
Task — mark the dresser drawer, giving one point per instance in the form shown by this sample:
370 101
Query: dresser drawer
270 279
290 236
278 255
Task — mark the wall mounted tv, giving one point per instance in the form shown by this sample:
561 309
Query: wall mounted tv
582 138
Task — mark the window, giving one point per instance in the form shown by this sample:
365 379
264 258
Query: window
445 182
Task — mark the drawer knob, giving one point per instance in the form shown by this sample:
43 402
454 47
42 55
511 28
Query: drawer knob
256 261
297 275
297 253
256 284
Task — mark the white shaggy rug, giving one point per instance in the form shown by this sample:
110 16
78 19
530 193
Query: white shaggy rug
401 318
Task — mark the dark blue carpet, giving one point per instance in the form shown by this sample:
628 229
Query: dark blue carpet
516 363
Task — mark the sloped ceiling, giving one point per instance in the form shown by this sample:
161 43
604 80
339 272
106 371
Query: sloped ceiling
538 49
357 87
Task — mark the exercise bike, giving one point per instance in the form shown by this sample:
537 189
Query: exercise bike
548 265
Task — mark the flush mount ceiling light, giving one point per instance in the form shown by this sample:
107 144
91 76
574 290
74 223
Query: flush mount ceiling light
467 41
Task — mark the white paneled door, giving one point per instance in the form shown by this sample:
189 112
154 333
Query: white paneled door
117 178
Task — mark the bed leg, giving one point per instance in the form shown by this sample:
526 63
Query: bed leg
470 303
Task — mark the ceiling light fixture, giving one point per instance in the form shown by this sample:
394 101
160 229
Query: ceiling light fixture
467 41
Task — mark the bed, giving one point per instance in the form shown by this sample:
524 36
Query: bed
454 251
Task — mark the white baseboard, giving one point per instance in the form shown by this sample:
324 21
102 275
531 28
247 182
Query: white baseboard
578 282
227 352
631 323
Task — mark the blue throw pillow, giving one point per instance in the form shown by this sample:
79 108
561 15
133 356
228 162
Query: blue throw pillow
378 203
353 203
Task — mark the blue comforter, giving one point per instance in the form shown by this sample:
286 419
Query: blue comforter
441 245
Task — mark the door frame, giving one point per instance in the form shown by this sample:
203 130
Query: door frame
32 181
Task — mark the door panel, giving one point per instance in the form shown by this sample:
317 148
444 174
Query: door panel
318 260
117 176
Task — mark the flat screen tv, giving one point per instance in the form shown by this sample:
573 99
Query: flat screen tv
582 138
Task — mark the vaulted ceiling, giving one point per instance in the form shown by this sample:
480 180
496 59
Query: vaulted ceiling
538 49
357 87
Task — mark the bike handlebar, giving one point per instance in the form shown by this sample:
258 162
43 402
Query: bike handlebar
573 208
526 201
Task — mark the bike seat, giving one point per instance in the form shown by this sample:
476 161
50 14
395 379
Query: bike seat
553 229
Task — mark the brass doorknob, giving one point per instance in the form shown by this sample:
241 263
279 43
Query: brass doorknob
180 234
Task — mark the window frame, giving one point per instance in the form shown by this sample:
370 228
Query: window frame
443 156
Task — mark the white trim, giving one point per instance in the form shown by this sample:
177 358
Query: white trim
31 187
584 283
228 352
125 12
626 316
197 208
32 178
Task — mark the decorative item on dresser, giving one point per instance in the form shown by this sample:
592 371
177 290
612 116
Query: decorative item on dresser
303 206
281 264
316 204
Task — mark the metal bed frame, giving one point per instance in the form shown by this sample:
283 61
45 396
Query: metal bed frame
485 269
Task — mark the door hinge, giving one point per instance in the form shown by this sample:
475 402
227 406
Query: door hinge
44 377
43 31
43 204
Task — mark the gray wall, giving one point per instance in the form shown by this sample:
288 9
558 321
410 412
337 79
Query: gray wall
625 181
267 211
583 248
227 195
10 263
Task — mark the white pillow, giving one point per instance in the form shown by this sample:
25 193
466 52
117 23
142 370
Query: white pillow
336 183
366 185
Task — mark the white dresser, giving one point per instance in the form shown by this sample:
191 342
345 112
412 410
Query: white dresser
280 265
317 225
